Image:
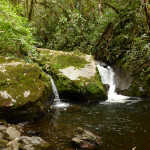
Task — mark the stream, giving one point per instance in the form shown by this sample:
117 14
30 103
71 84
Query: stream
122 126
122 122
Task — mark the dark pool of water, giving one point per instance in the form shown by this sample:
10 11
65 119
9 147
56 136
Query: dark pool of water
122 126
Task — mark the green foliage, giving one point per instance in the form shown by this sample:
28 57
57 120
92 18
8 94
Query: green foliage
117 31
79 28
69 33
139 55
127 39
15 33
130 40
110 30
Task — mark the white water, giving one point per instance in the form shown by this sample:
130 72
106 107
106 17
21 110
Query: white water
56 94
57 102
107 77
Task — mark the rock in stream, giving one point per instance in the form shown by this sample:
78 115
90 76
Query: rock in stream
75 74
86 140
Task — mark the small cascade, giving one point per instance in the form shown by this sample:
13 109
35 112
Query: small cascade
107 76
56 94
57 102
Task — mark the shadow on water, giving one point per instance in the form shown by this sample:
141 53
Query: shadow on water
122 126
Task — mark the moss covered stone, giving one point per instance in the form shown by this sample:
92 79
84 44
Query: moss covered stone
24 89
75 74
130 84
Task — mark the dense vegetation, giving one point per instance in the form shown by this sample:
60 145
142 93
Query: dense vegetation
109 30
15 33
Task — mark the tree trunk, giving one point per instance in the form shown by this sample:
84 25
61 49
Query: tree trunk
27 8
115 9
100 9
147 13
104 42
31 10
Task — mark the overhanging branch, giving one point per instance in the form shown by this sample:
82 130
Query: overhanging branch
115 9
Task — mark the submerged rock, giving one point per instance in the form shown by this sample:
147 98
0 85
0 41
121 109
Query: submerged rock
86 140
75 74
24 89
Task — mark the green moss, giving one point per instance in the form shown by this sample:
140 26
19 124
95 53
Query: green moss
3 142
52 61
91 89
140 84
17 80
12 59
64 84
64 61
9 59
2 59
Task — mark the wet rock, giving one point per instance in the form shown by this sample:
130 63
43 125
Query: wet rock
3 144
75 74
33 143
11 139
24 90
130 84
103 64
1 135
106 86
3 128
123 78
11 133
3 122
12 145
86 139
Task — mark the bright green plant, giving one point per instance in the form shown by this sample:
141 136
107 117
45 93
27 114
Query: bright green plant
15 32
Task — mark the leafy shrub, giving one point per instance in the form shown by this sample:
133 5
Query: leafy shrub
15 32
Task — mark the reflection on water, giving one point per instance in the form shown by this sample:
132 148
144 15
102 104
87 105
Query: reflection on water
122 126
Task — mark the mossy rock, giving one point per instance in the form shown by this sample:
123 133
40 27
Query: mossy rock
24 89
75 74
139 87
130 84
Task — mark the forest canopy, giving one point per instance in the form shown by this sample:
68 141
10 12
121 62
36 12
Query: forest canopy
108 29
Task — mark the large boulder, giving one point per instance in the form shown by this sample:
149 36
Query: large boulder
75 74
24 90
86 140
131 84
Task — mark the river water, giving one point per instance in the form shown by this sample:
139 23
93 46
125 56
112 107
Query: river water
122 122
122 126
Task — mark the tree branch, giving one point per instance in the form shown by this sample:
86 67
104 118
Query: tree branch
115 9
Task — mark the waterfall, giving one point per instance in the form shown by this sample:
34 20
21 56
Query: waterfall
107 77
56 94
57 102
